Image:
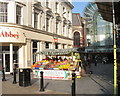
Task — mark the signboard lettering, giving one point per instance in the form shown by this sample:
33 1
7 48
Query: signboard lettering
9 34
53 74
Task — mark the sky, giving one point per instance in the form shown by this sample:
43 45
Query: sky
79 7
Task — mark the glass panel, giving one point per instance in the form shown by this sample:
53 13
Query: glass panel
47 45
15 56
35 20
63 46
34 44
5 48
56 27
76 39
47 3
47 24
56 45
18 14
34 49
7 62
3 12
1 61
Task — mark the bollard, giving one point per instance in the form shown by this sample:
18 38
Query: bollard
41 81
73 84
14 76
3 75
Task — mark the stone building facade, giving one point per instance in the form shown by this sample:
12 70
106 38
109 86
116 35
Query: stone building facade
29 27
79 35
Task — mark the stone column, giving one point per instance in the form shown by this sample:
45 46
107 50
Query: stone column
28 53
60 46
66 46
52 45
38 50
21 56
11 57
42 47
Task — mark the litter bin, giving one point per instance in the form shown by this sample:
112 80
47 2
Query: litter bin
24 77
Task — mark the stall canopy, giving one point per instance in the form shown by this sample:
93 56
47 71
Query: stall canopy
53 52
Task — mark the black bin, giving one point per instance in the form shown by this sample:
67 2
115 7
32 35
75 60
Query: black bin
24 77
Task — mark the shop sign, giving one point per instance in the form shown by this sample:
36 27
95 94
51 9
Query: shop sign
9 34
53 74
55 39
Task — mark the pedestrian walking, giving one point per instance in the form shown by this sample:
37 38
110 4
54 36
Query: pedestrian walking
88 62
89 65
95 60
104 60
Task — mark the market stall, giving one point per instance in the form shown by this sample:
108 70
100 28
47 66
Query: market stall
58 64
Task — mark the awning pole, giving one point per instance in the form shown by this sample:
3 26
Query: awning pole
115 61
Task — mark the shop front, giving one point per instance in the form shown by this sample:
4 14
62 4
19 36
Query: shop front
8 57
10 41
19 43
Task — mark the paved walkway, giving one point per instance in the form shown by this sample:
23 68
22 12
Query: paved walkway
104 71
97 83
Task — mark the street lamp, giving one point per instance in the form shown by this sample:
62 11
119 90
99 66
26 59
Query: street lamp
115 56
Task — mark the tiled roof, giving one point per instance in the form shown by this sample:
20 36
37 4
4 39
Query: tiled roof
76 19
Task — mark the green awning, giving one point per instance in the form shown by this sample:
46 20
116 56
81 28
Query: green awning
58 51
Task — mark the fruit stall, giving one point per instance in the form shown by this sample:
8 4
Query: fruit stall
57 68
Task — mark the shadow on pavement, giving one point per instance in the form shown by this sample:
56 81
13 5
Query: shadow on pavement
104 89
34 80
46 85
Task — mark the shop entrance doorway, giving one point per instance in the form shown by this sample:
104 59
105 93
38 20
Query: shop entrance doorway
6 62
9 58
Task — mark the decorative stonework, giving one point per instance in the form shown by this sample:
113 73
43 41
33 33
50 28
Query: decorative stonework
38 7
49 13
58 17
65 21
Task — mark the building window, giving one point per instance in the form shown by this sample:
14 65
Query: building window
47 24
15 55
63 29
89 42
56 7
47 45
63 46
35 20
34 50
76 39
63 11
18 14
47 3
3 12
37 17
68 14
56 45
68 31
56 27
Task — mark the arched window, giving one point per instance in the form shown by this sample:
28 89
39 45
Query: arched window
76 39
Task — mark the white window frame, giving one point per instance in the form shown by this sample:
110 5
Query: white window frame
34 48
19 15
36 20
47 24
3 12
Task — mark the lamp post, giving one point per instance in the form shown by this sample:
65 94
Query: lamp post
114 47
